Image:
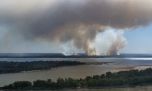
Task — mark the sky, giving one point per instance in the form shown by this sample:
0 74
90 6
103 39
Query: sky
139 40
96 27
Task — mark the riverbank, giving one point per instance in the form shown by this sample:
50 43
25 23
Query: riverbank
119 79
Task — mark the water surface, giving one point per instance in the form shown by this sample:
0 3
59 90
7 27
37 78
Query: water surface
80 71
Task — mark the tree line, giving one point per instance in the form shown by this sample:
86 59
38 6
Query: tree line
122 78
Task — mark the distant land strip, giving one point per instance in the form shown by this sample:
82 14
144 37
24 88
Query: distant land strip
60 55
15 67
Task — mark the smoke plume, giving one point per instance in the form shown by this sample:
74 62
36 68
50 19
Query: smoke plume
76 21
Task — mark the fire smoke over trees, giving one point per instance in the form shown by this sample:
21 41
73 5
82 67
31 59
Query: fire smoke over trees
79 22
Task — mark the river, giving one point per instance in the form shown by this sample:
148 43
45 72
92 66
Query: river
80 71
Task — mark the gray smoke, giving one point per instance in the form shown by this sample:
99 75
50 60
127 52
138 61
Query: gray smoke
78 21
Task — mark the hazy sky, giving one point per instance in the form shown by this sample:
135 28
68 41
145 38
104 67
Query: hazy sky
101 26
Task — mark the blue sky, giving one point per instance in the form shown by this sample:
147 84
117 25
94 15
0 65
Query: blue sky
139 40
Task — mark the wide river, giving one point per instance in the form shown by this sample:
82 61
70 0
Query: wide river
80 71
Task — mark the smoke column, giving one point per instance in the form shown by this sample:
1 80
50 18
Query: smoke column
109 42
78 22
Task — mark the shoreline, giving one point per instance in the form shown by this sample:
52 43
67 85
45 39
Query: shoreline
19 67
79 63
122 79
139 67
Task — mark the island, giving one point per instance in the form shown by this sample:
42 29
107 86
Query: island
15 67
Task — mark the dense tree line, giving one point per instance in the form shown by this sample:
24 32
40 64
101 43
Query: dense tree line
14 67
123 78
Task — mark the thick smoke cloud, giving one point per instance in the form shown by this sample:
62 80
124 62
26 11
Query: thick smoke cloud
76 21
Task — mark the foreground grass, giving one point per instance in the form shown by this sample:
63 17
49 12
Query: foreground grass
119 79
